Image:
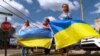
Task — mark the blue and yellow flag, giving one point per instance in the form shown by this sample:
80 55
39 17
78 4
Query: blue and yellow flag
34 37
69 32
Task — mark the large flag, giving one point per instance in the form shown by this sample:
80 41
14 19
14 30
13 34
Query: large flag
34 37
69 32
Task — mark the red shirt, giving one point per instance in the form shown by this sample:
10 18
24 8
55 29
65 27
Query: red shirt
46 25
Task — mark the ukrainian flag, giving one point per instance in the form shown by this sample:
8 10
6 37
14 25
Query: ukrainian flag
34 37
69 32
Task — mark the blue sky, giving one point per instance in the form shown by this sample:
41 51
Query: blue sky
37 13
38 9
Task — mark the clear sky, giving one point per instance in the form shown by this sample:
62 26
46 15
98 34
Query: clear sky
38 9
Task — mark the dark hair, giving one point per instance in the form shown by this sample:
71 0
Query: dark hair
47 19
27 23
65 5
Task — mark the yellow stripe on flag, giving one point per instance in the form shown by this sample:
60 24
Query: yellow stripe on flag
35 42
74 34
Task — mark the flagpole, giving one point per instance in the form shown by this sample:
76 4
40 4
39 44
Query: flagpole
82 10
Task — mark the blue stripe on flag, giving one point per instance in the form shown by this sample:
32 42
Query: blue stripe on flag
58 25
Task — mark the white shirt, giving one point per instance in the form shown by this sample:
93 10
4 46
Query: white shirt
62 16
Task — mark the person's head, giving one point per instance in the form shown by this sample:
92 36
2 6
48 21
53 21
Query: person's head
65 8
46 20
27 23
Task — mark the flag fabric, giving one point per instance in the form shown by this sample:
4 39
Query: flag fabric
34 37
69 32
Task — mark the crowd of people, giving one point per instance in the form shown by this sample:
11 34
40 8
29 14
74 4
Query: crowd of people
64 14
45 24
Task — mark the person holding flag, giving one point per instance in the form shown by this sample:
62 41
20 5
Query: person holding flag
68 31
46 26
65 15
35 37
26 26
65 12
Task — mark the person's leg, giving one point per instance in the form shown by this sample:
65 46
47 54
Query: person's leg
64 52
24 52
31 49
47 51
